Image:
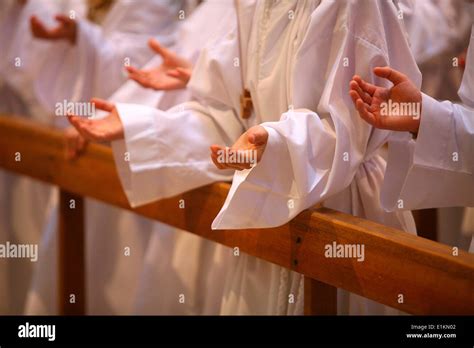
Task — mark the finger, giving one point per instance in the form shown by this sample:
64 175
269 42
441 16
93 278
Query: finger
89 133
228 165
258 137
181 73
37 27
220 154
393 75
155 46
217 153
159 85
364 85
238 159
77 122
135 75
354 96
216 161
244 166
63 19
131 69
81 126
185 72
174 73
364 113
365 96
236 166
216 148
102 104
36 21
141 79
74 121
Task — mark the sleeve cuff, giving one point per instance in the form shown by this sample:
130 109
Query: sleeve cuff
149 166
253 200
435 144
140 134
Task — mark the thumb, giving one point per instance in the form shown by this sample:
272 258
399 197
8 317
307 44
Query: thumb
388 73
184 74
259 136
35 22
102 104
155 46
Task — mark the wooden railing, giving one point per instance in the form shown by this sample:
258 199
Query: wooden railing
431 278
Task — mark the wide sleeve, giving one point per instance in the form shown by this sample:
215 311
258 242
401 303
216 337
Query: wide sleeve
310 155
94 66
440 162
445 138
165 153
436 169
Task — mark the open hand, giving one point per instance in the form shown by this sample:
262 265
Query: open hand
397 108
173 73
65 30
109 128
245 153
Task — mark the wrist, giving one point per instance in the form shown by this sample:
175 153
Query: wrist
415 124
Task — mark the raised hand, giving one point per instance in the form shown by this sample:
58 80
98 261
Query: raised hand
101 130
173 73
397 108
245 153
65 30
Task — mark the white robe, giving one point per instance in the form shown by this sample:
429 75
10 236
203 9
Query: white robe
295 62
176 262
21 196
436 169
437 31
442 153
95 65
98 59
466 93
167 262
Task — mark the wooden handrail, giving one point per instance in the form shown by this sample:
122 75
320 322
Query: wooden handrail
407 272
